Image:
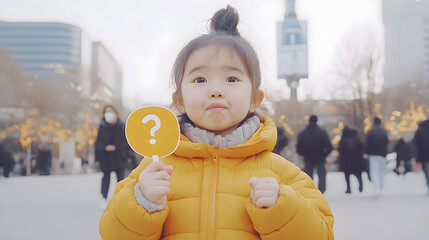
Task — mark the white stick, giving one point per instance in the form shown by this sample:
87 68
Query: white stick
155 158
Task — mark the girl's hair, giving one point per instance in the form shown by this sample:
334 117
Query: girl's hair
223 32
112 107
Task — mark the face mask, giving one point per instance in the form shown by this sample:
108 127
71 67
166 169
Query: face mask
110 117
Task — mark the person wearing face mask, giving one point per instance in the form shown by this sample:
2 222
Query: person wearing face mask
111 149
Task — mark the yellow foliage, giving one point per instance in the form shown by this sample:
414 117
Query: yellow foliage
31 130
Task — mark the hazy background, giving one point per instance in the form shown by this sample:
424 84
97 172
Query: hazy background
145 36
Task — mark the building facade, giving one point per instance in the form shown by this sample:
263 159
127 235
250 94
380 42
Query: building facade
106 75
54 52
406 28
63 56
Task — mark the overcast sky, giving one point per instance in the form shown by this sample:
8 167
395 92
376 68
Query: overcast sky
145 36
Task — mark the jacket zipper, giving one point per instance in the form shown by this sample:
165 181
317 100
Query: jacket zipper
212 211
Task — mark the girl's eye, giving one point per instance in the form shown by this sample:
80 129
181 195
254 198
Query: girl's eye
200 80
232 79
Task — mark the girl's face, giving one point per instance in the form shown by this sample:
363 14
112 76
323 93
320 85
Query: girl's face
216 90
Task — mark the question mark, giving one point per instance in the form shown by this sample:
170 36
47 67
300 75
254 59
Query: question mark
155 128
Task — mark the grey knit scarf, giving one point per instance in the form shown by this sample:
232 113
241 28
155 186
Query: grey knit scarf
238 136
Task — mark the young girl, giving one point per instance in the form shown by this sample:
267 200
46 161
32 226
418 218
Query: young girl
223 181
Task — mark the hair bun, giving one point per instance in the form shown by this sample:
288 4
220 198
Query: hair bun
225 20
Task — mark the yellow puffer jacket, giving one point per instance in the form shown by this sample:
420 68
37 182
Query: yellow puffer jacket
210 197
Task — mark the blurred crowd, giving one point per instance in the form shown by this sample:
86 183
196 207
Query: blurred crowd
354 154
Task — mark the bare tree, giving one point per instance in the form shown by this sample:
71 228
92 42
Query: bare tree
12 81
60 98
357 70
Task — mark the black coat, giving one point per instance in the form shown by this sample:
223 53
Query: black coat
282 140
350 151
44 158
6 160
376 141
403 151
421 139
111 135
313 144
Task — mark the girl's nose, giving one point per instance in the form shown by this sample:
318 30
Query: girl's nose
216 93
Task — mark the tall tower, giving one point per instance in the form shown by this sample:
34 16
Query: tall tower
290 9
292 56
406 30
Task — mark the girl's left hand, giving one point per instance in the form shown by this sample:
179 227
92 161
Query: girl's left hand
265 191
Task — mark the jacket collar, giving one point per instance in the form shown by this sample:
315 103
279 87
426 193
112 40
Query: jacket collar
236 137
104 123
264 139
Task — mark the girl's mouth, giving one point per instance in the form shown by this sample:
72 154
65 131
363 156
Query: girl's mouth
216 107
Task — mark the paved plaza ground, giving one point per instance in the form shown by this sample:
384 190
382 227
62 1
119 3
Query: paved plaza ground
66 207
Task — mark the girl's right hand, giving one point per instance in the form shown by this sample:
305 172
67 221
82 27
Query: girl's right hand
154 181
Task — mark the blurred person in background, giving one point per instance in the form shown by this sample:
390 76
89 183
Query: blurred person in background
44 158
421 139
351 159
376 147
403 157
314 145
111 149
282 141
6 160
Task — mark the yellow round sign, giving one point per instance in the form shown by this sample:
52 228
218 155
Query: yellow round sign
153 132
